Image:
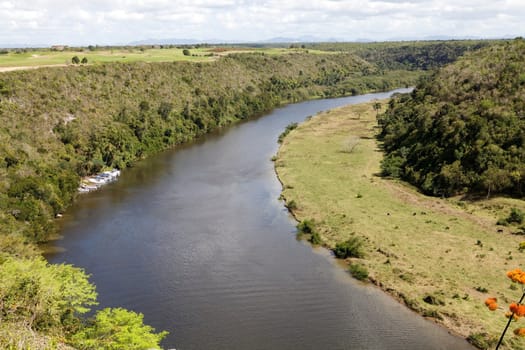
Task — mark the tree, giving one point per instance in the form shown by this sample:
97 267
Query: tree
117 328
75 60
84 60
186 52
41 295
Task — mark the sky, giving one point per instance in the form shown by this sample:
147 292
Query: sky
103 22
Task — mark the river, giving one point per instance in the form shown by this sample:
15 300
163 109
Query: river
196 239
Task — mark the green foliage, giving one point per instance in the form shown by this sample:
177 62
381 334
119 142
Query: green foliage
41 295
352 248
315 238
116 329
461 130
186 52
516 216
358 271
286 131
291 205
84 60
425 55
306 226
75 60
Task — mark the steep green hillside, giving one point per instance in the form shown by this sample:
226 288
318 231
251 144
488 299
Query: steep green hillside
462 129
413 55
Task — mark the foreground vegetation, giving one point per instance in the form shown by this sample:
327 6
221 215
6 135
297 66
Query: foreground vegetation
441 257
59 124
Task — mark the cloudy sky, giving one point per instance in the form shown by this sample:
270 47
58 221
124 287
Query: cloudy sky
84 22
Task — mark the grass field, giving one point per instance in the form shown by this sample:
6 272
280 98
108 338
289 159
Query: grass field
416 246
46 57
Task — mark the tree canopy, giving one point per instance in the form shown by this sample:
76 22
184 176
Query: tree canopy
463 128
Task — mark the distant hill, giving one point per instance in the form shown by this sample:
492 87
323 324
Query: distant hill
275 40
462 130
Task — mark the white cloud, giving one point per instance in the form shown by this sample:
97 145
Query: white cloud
122 21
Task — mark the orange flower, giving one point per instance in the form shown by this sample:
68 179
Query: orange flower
517 309
521 311
492 306
517 276
520 331
490 301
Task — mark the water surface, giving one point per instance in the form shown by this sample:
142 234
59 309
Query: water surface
197 240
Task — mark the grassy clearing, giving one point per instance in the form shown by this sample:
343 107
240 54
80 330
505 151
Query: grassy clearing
447 251
46 57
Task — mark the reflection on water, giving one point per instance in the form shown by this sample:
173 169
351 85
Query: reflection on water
196 239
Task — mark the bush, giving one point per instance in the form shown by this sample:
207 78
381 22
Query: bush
291 205
286 131
117 329
186 52
40 295
515 216
315 238
358 271
349 249
306 226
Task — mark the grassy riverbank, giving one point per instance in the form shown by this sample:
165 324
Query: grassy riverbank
447 251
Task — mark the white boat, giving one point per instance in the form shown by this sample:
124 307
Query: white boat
94 182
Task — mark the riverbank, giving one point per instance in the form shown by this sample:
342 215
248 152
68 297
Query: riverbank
446 251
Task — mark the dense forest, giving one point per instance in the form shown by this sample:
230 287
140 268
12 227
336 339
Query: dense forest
410 55
462 129
60 124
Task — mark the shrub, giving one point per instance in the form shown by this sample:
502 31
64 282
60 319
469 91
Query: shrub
286 131
515 216
186 52
358 271
352 248
306 226
315 238
117 329
291 205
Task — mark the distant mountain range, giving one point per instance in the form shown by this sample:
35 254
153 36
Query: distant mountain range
301 39
275 40
185 41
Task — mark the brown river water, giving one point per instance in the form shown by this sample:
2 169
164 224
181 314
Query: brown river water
196 239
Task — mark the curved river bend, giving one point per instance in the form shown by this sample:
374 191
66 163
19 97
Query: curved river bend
196 239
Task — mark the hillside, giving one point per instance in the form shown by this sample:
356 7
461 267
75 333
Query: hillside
411 55
462 129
